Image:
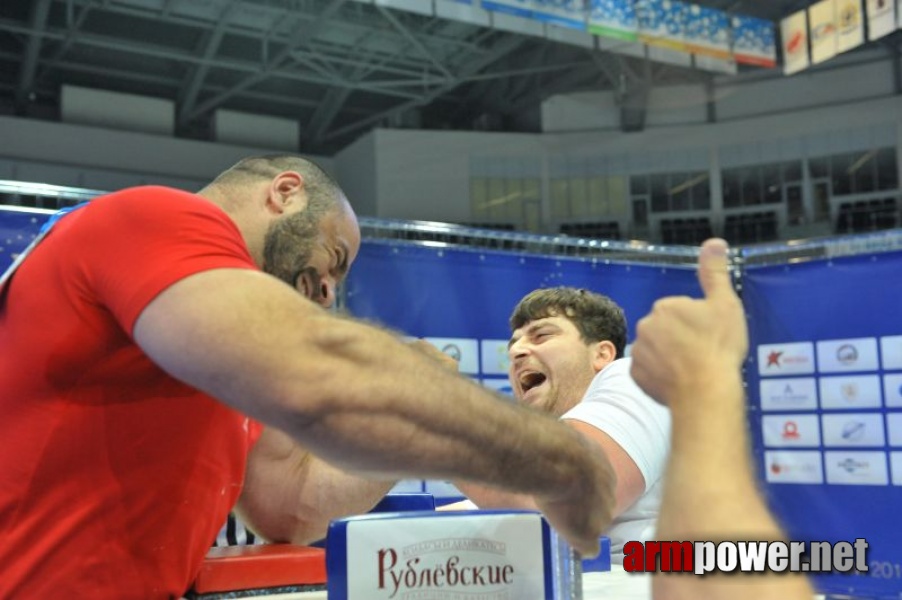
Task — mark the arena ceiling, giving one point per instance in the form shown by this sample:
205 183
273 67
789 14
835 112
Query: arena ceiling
339 67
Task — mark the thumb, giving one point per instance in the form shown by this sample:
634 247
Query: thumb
713 268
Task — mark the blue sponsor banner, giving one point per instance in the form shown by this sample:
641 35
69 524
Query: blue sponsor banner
662 22
565 13
825 388
457 293
708 31
754 41
614 18
518 8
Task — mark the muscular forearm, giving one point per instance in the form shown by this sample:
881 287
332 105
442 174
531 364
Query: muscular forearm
383 407
359 397
711 494
486 497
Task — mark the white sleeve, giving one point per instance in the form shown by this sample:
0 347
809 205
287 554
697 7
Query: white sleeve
615 405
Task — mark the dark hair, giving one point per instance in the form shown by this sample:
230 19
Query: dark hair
323 192
596 316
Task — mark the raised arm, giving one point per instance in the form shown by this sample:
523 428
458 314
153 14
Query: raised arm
688 355
362 400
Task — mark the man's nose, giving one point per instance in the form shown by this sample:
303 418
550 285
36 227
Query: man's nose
326 293
518 349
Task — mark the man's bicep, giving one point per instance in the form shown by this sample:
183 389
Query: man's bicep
630 482
225 332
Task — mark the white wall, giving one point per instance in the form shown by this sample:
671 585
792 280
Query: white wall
425 175
105 159
100 108
355 168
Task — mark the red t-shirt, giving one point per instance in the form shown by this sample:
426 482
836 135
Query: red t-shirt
114 477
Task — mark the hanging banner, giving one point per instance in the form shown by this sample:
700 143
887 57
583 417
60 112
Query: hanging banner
828 443
822 30
754 41
662 23
794 31
518 8
566 13
849 25
614 19
881 18
708 32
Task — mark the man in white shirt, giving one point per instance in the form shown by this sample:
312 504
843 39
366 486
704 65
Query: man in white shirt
566 353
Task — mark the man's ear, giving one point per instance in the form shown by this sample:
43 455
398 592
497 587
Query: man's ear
603 354
286 190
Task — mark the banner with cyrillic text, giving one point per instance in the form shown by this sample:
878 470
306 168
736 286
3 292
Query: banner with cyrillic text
614 19
794 34
849 25
754 41
822 30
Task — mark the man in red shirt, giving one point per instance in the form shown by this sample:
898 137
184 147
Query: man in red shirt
142 349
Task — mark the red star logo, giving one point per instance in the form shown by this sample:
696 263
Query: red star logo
774 359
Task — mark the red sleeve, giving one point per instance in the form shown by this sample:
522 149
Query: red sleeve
142 240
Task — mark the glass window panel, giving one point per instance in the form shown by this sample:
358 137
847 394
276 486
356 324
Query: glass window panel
701 196
598 197
864 172
560 198
792 171
730 187
839 167
532 189
770 176
495 201
750 178
887 169
579 197
660 199
478 197
617 196
639 184
819 167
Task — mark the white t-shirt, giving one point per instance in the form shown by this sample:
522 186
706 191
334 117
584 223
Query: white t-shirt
615 405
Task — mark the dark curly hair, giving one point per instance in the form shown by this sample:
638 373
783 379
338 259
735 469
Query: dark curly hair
596 316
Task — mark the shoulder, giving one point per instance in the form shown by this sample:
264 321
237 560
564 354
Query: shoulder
150 209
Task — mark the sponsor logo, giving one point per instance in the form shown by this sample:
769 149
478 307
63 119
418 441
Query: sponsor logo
849 392
793 467
848 16
464 351
452 350
856 468
785 359
773 359
859 354
853 431
790 430
788 394
861 429
847 354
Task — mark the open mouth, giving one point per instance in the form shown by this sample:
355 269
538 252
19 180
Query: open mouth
531 379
